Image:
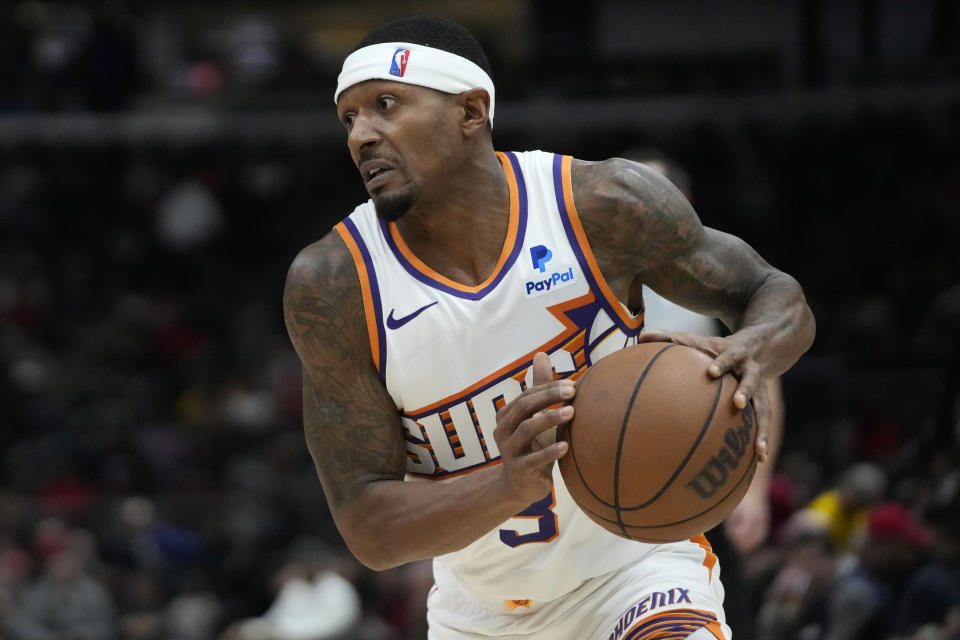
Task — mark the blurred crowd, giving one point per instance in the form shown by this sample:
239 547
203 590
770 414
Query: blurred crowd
154 484
113 55
155 481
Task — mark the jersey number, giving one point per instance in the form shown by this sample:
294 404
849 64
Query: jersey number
546 531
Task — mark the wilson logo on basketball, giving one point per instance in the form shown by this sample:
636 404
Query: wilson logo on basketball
714 474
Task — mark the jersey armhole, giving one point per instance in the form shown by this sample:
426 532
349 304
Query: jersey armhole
370 291
563 190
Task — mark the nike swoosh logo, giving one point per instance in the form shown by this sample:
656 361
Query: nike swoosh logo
396 323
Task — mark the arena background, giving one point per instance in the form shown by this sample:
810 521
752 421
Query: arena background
161 165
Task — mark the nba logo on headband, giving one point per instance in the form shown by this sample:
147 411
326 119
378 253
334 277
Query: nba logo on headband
399 65
435 68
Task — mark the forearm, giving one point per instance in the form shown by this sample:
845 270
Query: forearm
764 473
392 522
778 318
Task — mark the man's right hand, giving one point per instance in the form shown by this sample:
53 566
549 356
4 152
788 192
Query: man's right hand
527 465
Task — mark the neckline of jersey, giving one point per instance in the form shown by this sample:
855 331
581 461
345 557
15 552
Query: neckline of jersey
508 254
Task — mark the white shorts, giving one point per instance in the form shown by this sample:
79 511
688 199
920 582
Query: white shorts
671 593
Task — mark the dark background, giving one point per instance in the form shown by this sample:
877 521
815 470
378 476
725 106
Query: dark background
160 166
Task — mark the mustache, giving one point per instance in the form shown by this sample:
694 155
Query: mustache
364 156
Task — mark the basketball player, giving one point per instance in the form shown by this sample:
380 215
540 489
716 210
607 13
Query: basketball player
433 321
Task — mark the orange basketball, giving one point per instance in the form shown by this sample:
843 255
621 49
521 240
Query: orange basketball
658 451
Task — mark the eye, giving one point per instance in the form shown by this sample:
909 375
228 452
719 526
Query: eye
347 120
385 102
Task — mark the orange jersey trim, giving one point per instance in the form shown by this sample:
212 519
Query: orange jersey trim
710 560
455 474
364 276
568 331
684 621
508 244
613 302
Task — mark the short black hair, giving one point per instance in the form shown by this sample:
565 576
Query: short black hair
431 31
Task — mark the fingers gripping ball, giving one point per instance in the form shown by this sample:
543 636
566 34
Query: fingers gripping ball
658 451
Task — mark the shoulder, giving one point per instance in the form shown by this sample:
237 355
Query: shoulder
322 301
629 209
328 259
617 181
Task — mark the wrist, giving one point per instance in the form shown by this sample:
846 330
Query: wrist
503 494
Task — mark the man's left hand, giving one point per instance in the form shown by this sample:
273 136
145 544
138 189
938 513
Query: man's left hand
730 355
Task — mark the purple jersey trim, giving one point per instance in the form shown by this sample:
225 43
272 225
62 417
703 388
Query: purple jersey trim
374 294
517 246
684 624
578 251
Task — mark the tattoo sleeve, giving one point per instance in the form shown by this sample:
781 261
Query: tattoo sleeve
350 422
642 230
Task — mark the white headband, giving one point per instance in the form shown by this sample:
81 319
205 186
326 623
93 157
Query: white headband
413 64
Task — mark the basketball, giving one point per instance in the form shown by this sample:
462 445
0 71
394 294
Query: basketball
658 451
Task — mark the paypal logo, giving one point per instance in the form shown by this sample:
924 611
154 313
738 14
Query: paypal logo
540 256
555 280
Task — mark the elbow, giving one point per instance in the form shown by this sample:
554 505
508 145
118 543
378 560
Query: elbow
371 549
377 566
800 322
372 558
372 529
810 327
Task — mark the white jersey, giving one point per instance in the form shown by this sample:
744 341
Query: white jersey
451 355
661 314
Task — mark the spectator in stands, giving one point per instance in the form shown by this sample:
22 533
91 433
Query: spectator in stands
795 604
65 603
843 511
862 601
932 593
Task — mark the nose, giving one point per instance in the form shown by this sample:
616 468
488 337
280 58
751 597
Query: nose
363 133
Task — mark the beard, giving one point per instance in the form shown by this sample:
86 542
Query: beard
392 207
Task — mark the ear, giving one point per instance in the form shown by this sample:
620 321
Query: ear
476 111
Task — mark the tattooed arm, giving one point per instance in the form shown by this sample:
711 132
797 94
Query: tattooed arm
356 439
643 231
